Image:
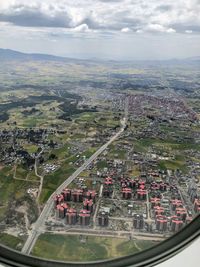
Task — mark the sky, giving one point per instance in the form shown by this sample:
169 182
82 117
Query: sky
104 29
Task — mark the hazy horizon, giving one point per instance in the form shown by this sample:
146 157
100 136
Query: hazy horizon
96 58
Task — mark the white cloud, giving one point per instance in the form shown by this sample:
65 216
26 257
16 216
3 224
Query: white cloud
125 30
170 30
158 28
188 31
81 28
105 15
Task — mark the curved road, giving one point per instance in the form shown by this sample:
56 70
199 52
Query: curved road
36 230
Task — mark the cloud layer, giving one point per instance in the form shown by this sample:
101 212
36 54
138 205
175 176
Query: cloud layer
125 16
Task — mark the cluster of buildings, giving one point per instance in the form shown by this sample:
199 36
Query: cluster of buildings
168 106
70 214
108 187
168 208
152 203
50 167
76 215
128 185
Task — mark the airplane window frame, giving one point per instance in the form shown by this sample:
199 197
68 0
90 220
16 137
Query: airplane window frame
149 257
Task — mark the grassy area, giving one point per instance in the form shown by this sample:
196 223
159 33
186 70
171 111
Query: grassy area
102 119
30 148
74 248
21 172
62 153
32 176
11 241
135 172
142 145
130 247
2 212
115 152
177 163
102 164
46 113
88 153
11 189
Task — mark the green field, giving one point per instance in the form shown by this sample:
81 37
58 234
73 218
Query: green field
12 189
30 148
11 241
21 172
74 248
116 153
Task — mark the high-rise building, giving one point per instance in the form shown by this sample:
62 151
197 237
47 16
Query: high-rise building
65 207
163 187
77 195
88 205
154 186
71 216
84 217
175 203
132 184
155 201
161 223
141 194
103 219
158 210
138 221
126 193
90 194
176 224
67 194
108 181
181 213
58 199
60 212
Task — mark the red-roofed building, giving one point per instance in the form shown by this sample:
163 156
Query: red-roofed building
155 201
71 216
88 205
141 194
126 193
176 224
158 210
67 194
84 217
77 195
161 223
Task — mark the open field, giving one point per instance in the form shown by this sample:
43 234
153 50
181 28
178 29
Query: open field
85 248
12 190
11 241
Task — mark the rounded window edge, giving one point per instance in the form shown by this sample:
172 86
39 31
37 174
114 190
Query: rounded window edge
149 257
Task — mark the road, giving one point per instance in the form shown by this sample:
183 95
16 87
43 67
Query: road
39 176
37 227
111 233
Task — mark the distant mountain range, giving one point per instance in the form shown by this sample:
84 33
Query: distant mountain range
9 55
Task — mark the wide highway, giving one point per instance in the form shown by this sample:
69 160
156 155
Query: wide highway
36 228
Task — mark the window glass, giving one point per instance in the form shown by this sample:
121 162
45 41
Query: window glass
99 125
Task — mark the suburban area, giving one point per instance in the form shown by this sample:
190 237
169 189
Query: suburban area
100 156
